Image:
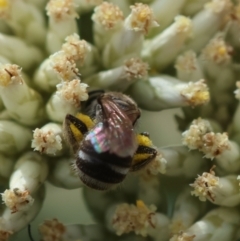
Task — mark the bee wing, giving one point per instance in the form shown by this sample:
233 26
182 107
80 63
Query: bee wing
121 136
118 130
115 133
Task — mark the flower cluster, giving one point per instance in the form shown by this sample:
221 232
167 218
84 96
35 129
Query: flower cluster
163 54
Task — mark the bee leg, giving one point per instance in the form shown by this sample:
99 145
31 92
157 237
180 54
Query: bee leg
75 127
145 152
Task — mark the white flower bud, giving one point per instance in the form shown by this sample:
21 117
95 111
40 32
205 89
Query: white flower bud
186 210
120 78
207 22
24 18
191 7
220 224
16 50
63 175
127 41
66 100
107 18
11 223
222 191
62 23
14 138
182 162
23 103
164 12
48 139
163 49
29 173
6 167
163 91
188 67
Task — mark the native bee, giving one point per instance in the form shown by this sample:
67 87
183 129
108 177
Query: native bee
104 141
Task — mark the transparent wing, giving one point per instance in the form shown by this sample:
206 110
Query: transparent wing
120 133
115 133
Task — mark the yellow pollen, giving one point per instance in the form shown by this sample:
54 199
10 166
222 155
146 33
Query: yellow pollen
59 3
222 50
202 96
141 204
3 3
142 16
4 79
108 13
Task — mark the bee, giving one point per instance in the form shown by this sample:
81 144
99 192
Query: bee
104 141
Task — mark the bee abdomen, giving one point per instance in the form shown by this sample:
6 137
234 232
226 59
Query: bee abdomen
99 171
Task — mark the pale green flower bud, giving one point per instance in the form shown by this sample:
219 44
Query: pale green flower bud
220 224
90 63
62 65
11 223
188 67
207 22
149 190
107 19
216 61
73 232
223 191
233 32
127 42
48 139
192 7
22 103
201 137
24 18
63 175
14 138
165 12
163 91
16 50
120 78
62 23
186 210
66 100
6 167
163 49
182 162
139 218
30 171
229 160
46 77
40 4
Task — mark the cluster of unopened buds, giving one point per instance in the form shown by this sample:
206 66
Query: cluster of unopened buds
163 54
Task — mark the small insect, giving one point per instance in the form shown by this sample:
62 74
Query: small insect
104 142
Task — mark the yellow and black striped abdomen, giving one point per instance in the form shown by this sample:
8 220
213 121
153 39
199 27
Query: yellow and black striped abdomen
100 171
